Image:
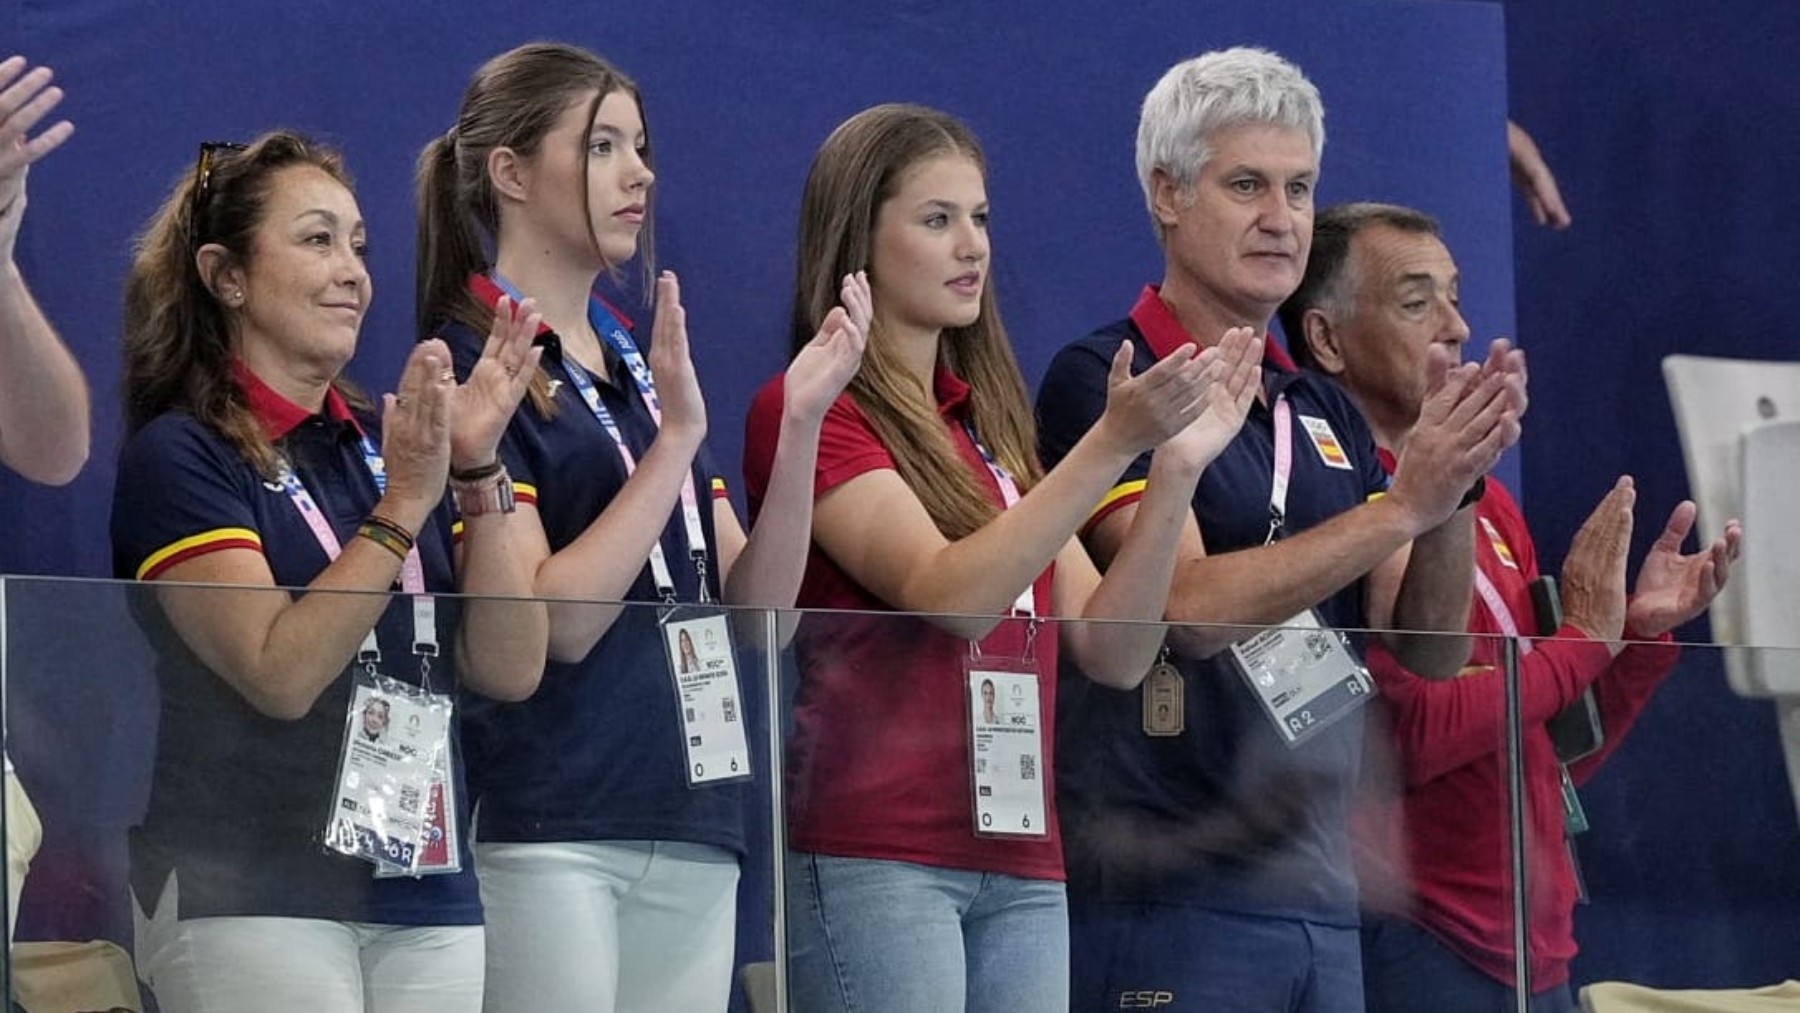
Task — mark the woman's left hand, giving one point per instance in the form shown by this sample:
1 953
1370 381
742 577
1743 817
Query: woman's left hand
484 403
830 360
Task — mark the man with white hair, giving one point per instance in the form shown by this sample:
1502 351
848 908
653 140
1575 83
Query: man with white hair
1205 813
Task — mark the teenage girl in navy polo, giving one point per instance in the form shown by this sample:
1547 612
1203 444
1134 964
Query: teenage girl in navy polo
912 885
609 849
260 881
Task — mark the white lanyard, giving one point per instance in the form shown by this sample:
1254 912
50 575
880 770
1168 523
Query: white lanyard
1284 464
1026 603
615 335
412 571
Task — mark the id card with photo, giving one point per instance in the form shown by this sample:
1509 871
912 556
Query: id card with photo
393 737
708 696
1006 748
1305 676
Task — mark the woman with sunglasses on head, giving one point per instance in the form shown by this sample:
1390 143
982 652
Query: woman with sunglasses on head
926 870
609 847
287 862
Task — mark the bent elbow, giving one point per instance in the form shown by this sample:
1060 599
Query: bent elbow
1433 656
54 469
510 687
278 706
570 649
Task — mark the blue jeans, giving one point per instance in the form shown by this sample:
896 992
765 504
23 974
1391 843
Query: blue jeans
1408 970
871 936
1182 958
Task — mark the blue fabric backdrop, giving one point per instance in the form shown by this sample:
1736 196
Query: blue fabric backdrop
739 96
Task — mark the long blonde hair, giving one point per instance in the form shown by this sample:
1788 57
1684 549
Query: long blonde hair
858 169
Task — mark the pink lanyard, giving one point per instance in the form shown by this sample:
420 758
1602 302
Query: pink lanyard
1496 605
1026 603
1284 465
412 571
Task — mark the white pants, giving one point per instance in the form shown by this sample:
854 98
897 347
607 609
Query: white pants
305 965
23 835
609 927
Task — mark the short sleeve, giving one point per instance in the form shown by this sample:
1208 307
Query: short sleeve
181 492
848 446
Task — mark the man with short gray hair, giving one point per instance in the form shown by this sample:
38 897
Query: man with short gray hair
1380 292
1205 811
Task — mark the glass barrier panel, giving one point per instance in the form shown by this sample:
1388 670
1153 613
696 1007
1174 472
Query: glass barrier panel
1686 866
332 818
1067 816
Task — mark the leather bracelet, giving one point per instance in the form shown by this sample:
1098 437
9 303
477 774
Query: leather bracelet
1473 496
486 471
398 532
492 494
385 536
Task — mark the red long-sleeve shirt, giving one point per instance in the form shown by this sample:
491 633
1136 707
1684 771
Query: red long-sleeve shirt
1439 852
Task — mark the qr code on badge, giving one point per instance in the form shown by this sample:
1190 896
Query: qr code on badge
728 708
409 798
1028 767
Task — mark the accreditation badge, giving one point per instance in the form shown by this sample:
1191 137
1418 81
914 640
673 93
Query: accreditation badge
395 737
707 695
1006 747
1304 674
440 846
1165 700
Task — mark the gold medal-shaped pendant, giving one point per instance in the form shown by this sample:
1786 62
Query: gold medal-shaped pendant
1165 710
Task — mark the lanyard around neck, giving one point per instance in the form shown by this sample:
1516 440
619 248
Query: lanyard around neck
412 570
1026 603
619 339
1496 604
1284 466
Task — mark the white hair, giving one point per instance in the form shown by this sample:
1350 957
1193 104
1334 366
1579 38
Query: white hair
1222 88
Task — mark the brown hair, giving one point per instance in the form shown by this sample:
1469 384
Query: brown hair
512 102
177 335
858 169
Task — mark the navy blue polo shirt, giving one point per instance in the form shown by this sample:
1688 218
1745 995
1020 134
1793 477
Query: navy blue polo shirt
239 800
596 753
1225 815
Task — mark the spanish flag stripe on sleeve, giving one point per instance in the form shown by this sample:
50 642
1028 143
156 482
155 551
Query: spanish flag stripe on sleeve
718 489
525 492
198 545
1123 494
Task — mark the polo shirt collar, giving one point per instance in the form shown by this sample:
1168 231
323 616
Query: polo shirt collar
1389 463
1164 333
952 391
489 292
276 414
